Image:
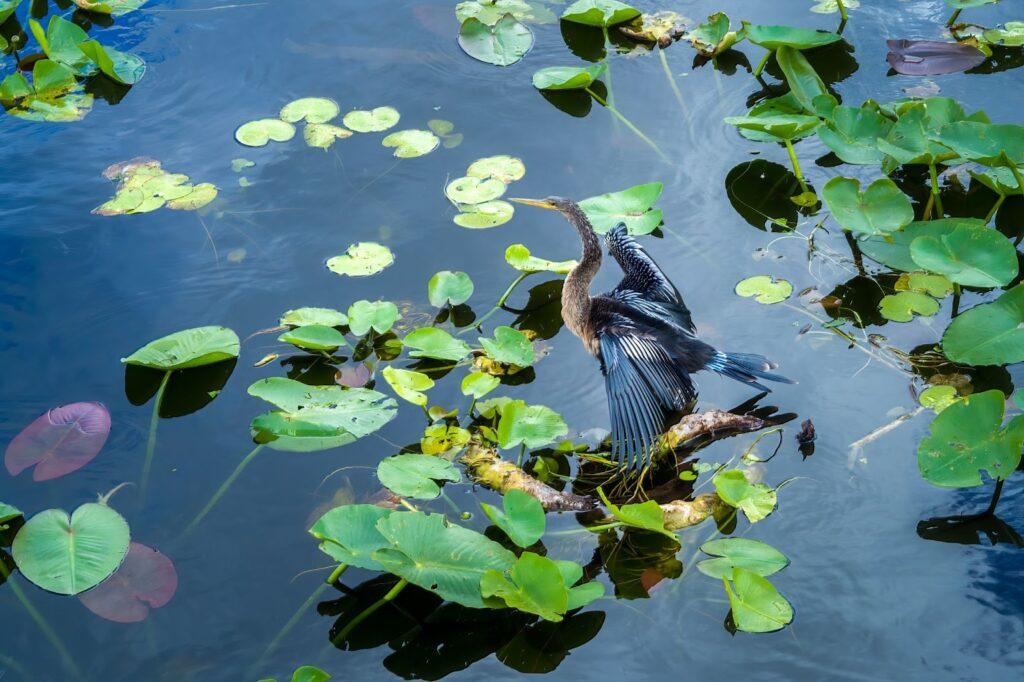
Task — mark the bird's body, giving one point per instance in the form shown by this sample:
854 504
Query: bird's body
643 335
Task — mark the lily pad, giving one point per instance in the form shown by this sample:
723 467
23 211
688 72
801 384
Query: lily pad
757 500
805 85
632 206
783 105
781 126
447 287
7 8
115 8
1000 180
430 342
663 28
503 44
258 133
478 384
310 109
349 534
932 57
61 43
1010 35
471 190
503 168
199 196
937 398
880 210
755 603
509 346
491 11
409 144
937 286
379 316
992 145
188 348
529 425
485 215
122 67
53 95
408 384
903 305
774 37
714 36
988 334
648 516
60 441
361 260
519 257
301 317
765 289
567 77
599 12
522 518
439 439
758 557
146 580
323 135
832 6
414 475
970 254
894 250
851 133
314 337
71 554
533 584
374 121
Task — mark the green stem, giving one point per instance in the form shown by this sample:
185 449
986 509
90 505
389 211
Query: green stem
147 464
761 64
522 453
796 165
955 309
1017 176
673 85
589 529
369 611
842 11
336 573
954 17
497 306
48 632
936 190
629 124
451 503
222 489
995 209
607 75
283 632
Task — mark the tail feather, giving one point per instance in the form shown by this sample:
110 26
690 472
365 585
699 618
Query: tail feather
746 367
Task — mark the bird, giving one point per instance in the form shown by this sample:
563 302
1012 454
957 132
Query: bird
643 335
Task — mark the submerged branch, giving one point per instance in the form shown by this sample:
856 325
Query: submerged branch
485 466
713 423
681 514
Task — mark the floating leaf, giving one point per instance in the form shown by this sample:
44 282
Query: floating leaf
894 250
714 36
663 28
503 167
188 348
7 8
970 254
323 135
310 109
438 439
430 342
832 6
470 190
567 77
146 580
1010 35
503 44
63 440
449 287
409 144
967 438
124 68
374 121
783 105
988 334
937 398
238 165
632 206
361 260
114 8
61 44
757 500
931 57
414 475
880 210
648 516
310 673
349 534
478 384
765 289
756 605
530 425
937 286
379 316
491 11
53 95
533 584
200 196
1000 180
353 375
851 133
71 554
805 85
774 37
408 384
522 519
301 317
599 12
314 337
751 555
782 126
509 346
518 256
903 305
992 145
487 214
258 133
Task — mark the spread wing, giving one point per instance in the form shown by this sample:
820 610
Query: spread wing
645 286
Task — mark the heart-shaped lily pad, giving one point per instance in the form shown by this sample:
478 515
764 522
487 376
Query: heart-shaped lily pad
415 475
409 144
519 257
146 580
903 305
409 385
323 135
365 315
63 440
373 121
880 210
310 109
258 133
473 190
765 289
503 167
362 259
567 77
482 216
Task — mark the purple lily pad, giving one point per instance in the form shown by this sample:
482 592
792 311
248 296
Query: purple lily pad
61 441
146 580
354 375
932 57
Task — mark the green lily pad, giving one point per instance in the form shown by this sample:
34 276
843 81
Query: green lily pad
909 140
379 316
61 43
8 513
784 105
758 557
532 585
804 82
361 260
781 126
7 8
967 438
632 206
258 133
323 135
903 305
936 286
509 346
662 28
478 384
647 516
374 121
992 145
1000 180
503 44
937 398
349 534
314 337
757 500
970 254
408 384
415 475
485 215
199 196
880 210
71 554
567 77
714 36
894 250
774 37
310 109
490 12
522 520
756 605
503 168
832 6
409 144
430 342
988 334
530 425
445 559
1010 35
447 287
327 317
519 257
965 4
599 12
115 8
53 95
852 134
122 67
439 439
470 190
765 289
186 349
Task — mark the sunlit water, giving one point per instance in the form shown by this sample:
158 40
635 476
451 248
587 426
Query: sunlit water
873 599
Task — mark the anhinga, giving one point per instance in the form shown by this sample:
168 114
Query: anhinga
643 335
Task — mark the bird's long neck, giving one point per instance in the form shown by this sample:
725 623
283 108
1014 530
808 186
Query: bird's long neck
576 290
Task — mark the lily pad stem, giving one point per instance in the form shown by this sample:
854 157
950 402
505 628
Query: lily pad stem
629 124
954 17
283 632
336 573
147 463
675 87
842 11
936 190
48 632
955 308
796 165
995 209
222 489
522 453
589 529
498 305
761 64
369 611
1017 176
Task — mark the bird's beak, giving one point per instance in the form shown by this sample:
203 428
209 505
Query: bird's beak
539 203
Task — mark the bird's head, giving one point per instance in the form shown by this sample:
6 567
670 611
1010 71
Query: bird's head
560 204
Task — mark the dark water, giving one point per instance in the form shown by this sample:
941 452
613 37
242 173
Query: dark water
873 599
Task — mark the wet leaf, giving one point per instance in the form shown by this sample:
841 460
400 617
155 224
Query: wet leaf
122 67
756 605
441 128
988 334
503 44
647 516
349 534
414 475
765 289
71 554
301 317
258 133
521 519
361 260
199 196
1010 35
880 210
430 342
782 126
804 82
53 95
852 133
931 57
937 286
60 441
758 557
478 384
409 144
903 305
632 206
938 398
509 346
714 36
61 44
532 585
1000 180
662 28
894 250
310 110
309 673
323 135
757 500
266 360
599 12
438 439
408 384
146 580
832 6
518 256
447 287
774 37
353 375
379 316
784 105
567 77
470 190
485 215
503 168
530 425
971 254
992 145
491 12
314 337
188 348
114 8
374 121
8 513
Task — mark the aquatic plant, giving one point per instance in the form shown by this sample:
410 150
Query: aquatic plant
60 441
